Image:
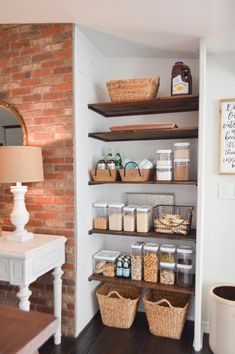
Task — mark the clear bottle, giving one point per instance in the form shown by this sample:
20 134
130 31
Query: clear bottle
110 160
118 160
101 165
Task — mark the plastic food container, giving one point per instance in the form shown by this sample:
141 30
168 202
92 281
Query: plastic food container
182 151
129 218
184 255
151 262
164 173
104 262
167 253
164 157
100 215
143 218
167 273
181 169
116 216
137 260
184 275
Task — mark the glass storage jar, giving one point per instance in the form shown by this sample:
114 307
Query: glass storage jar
116 216
167 273
137 260
143 218
184 255
163 157
181 169
164 173
129 218
182 151
100 215
104 262
167 253
151 262
184 275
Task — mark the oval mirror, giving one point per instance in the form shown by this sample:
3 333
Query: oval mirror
12 126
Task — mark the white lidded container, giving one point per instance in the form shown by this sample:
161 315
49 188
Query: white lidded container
184 275
116 216
167 253
100 215
137 260
182 151
104 262
181 169
129 218
151 262
167 273
163 157
164 173
143 218
184 255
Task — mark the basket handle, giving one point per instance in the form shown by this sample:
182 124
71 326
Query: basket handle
106 166
116 293
134 164
162 301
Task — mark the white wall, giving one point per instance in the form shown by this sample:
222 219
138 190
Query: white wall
219 223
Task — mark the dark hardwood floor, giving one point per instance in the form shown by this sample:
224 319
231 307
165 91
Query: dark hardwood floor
99 339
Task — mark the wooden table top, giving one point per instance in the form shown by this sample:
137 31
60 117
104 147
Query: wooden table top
24 332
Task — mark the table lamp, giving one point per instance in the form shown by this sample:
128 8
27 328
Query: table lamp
20 164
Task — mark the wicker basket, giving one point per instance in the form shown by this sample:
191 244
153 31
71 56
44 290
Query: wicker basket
166 312
134 89
118 304
136 175
103 175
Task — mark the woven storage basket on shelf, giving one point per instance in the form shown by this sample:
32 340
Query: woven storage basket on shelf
137 174
133 89
103 175
166 312
118 304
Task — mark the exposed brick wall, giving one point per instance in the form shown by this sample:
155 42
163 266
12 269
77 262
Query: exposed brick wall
36 77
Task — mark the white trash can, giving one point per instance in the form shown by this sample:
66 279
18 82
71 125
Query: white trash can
222 319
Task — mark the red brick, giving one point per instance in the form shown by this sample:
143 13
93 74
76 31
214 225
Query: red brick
44 215
32 82
63 87
4 62
61 200
44 200
42 73
54 176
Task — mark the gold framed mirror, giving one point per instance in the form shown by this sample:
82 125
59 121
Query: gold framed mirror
12 127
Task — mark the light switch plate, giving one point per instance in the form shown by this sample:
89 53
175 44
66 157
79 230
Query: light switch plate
227 190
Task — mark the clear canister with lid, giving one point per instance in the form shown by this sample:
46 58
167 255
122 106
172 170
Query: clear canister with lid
116 216
163 157
137 260
181 169
167 253
167 273
100 215
184 255
182 151
143 218
151 262
164 173
129 218
184 275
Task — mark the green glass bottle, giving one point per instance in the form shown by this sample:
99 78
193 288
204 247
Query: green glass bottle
118 160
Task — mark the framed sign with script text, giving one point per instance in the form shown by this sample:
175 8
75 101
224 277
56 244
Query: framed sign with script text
227 136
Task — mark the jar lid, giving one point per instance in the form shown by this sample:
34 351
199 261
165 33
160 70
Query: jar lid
100 205
167 265
182 144
151 246
137 245
184 266
182 160
130 208
169 151
116 205
164 167
107 255
185 249
168 248
144 208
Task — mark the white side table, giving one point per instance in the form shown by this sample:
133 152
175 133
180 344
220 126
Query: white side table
22 263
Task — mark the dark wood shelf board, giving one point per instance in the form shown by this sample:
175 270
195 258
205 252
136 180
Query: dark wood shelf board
188 183
142 284
150 234
163 134
170 104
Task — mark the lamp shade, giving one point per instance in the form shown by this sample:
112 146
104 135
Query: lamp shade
20 164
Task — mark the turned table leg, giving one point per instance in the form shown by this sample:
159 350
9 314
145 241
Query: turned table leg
57 273
23 295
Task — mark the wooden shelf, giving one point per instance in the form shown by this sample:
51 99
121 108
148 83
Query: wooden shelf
163 134
170 104
188 183
142 284
150 234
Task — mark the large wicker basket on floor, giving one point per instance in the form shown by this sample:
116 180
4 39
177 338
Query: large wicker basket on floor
166 312
133 89
118 304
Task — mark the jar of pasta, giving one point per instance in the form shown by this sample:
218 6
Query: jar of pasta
151 262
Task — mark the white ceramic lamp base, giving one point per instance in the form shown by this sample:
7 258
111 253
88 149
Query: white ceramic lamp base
19 215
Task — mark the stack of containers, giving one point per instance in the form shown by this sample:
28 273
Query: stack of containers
167 264
164 165
181 161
